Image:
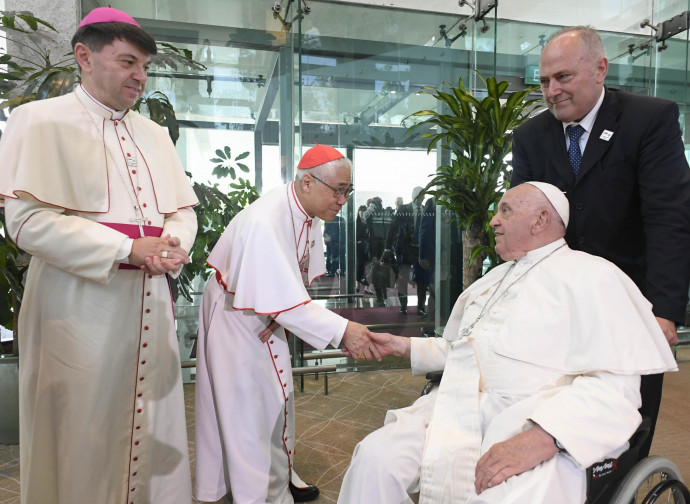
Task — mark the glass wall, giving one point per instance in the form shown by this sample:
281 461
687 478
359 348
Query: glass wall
349 75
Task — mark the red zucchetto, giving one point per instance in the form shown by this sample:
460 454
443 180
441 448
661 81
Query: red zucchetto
318 155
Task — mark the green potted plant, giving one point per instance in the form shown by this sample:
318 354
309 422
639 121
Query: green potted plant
478 132
215 210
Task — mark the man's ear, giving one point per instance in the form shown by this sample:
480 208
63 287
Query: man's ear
83 56
542 221
307 182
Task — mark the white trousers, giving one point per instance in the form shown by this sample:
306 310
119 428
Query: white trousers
386 467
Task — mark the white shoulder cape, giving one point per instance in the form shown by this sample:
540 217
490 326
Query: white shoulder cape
256 258
596 316
51 151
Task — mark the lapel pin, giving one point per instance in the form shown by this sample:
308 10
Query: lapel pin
606 135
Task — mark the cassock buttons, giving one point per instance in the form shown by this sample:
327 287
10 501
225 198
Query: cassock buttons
145 345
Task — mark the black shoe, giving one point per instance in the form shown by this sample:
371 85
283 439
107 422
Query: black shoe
421 313
307 494
403 310
364 282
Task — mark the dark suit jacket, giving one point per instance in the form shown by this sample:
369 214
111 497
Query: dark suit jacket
631 201
401 235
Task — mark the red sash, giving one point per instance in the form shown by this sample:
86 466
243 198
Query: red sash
132 231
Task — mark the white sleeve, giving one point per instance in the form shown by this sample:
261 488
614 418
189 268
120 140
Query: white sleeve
428 354
592 417
74 244
314 324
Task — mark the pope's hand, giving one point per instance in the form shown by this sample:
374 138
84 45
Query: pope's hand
514 456
358 344
389 344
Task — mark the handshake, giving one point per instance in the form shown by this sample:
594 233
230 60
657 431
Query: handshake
362 344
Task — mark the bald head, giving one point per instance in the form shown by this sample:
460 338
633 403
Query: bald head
572 69
525 220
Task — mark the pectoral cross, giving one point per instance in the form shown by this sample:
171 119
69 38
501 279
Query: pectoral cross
140 221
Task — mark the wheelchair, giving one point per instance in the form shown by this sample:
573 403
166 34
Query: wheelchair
626 479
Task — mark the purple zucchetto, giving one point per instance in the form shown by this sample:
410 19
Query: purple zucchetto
107 15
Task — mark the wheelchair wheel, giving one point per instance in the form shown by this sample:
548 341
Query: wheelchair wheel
644 477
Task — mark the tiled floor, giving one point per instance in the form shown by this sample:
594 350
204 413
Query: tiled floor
330 426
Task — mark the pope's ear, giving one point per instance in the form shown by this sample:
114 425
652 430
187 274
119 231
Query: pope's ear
542 221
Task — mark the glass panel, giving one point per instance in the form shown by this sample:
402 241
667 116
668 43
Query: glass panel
273 92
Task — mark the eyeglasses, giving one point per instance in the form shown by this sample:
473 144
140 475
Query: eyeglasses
337 193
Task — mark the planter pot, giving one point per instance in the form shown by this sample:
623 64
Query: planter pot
9 399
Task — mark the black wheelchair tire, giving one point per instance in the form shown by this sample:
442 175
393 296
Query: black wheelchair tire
643 470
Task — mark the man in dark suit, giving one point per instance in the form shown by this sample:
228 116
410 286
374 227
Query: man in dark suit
402 246
620 160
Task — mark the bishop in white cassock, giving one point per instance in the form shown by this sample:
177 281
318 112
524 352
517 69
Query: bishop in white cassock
97 195
541 363
245 416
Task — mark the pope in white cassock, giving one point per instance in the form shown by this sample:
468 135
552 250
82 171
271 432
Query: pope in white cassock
245 416
541 363
97 195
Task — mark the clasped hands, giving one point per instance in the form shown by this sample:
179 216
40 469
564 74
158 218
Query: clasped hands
158 256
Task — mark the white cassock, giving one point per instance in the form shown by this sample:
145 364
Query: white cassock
101 405
245 417
563 346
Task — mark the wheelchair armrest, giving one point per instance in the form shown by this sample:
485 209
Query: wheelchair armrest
434 378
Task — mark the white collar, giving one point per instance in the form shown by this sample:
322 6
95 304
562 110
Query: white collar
588 121
537 254
98 108
298 210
